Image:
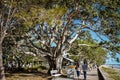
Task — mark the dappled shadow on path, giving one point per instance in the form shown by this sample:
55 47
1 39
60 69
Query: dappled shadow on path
27 74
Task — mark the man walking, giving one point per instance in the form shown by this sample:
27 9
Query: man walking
85 67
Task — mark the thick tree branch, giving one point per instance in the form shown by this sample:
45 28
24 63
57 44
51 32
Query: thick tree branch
40 49
71 41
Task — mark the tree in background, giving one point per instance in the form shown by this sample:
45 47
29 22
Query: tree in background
8 23
7 20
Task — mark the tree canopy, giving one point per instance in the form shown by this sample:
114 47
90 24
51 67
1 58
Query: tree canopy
55 25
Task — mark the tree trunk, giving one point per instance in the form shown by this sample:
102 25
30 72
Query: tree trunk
52 66
59 63
55 63
2 76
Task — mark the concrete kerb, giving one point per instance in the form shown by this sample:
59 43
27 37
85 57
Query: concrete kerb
104 75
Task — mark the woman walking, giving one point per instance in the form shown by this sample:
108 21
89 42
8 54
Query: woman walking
77 68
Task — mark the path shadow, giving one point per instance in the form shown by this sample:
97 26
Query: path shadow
27 74
8 75
78 79
92 75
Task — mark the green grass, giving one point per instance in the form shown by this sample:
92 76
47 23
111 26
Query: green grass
114 74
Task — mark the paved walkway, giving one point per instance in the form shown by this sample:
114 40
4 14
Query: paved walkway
91 75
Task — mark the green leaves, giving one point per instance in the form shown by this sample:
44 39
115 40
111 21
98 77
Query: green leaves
36 14
88 49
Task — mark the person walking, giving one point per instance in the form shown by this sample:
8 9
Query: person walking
77 68
85 67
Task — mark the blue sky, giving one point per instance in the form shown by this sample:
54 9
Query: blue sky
94 36
111 60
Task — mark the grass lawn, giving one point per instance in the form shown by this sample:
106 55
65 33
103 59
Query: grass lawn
27 76
113 73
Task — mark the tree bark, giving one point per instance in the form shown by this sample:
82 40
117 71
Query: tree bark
59 63
52 64
2 75
55 63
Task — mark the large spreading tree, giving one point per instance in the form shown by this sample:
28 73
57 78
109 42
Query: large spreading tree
54 28
57 28
54 25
